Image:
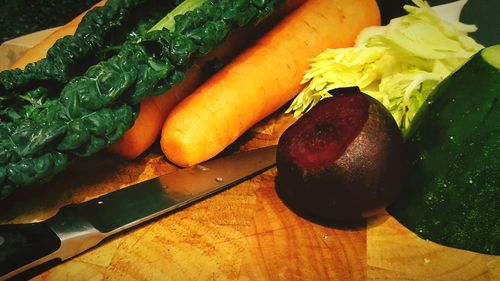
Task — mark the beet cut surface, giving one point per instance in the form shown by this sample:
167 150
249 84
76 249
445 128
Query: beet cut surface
324 136
343 160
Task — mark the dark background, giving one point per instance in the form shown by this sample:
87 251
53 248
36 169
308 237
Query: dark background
485 14
18 17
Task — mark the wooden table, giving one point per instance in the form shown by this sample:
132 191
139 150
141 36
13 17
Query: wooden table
244 233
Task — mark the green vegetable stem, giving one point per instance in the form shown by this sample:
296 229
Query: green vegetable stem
51 115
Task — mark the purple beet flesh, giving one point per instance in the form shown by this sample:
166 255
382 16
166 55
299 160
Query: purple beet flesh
341 161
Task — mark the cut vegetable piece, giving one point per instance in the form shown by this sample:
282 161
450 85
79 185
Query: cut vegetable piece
321 138
453 192
343 160
491 56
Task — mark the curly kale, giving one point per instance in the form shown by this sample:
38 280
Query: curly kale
42 134
98 37
66 51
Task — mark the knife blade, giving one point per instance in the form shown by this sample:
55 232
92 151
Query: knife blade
79 227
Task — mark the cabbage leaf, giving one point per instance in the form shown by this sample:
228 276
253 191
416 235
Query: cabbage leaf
398 64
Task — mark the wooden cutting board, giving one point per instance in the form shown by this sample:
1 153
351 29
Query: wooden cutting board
244 233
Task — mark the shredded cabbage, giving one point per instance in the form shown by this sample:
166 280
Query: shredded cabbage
398 64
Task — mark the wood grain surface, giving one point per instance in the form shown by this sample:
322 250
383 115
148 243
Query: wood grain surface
244 233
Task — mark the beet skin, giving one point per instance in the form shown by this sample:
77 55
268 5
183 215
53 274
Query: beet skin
341 161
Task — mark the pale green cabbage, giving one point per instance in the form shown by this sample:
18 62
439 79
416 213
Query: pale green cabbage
398 64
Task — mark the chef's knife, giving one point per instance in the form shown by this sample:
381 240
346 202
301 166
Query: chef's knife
79 227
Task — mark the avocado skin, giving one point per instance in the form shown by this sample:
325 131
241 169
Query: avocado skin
453 191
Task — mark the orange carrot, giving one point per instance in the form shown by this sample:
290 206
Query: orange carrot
261 79
39 51
154 110
152 114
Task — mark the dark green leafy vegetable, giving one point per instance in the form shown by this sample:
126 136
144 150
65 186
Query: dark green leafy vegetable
43 129
67 58
453 192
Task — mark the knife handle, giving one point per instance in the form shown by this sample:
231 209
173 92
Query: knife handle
24 244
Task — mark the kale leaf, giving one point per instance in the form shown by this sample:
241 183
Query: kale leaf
42 132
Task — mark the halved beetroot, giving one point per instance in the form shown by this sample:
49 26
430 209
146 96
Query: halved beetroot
343 160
